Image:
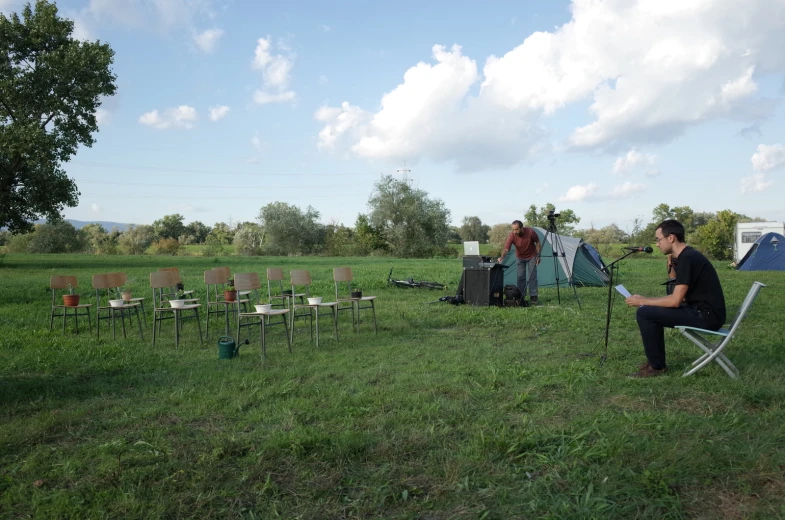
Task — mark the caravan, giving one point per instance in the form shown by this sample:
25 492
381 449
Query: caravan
748 232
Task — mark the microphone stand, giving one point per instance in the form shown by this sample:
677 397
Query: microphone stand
609 269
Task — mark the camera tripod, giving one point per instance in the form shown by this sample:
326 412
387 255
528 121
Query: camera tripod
557 249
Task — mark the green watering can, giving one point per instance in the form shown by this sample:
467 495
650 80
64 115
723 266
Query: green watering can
227 348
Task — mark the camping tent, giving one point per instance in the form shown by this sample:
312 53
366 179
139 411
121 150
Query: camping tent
580 259
764 254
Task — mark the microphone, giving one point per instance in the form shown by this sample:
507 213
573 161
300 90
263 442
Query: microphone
646 249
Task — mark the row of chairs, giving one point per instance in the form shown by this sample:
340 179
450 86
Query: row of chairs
164 285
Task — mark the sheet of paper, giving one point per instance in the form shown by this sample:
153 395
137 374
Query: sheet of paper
624 292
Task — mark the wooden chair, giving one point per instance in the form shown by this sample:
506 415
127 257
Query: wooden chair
275 290
159 281
302 278
105 286
250 284
342 278
61 284
122 279
713 349
176 279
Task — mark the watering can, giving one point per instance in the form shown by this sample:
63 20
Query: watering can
227 348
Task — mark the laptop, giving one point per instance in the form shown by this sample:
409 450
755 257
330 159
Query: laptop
471 249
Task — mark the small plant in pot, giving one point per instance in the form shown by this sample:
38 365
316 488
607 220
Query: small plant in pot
70 299
357 293
126 295
230 293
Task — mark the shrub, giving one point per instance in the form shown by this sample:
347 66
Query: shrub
167 246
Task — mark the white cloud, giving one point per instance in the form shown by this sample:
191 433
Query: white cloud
755 183
208 39
276 70
632 161
256 142
646 69
623 191
768 157
102 116
96 208
261 97
579 193
178 117
218 112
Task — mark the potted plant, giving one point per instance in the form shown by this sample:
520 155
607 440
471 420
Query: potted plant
262 306
357 293
230 293
126 295
70 299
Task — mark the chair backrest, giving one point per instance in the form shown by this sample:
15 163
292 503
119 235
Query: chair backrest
247 281
342 274
174 270
104 281
225 270
161 279
300 277
214 277
745 307
62 282
274 274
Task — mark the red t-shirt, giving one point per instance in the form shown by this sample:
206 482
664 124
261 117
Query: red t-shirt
525 247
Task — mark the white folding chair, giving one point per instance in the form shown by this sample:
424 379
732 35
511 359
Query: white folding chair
713 347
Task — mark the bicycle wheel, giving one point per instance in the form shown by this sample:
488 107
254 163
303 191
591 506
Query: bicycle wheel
402 283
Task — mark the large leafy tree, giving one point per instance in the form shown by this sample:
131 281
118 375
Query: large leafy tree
473 229
413 224
170 226
289 230
717 236
51 86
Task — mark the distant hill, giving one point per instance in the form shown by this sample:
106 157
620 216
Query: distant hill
79 224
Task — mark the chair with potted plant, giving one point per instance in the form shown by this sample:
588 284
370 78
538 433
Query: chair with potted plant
122 279
345 293
250 283
70 302
276 294
171 309
178 285
310 310
105 286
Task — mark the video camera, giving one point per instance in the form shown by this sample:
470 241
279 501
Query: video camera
552 215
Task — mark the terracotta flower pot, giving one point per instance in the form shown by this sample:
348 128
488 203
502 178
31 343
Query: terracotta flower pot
126 296
230 296
70 300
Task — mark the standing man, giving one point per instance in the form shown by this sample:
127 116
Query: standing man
697 299
527 252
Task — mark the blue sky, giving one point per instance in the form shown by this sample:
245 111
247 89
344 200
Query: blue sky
608 108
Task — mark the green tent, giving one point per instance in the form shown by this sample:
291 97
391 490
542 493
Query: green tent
580 259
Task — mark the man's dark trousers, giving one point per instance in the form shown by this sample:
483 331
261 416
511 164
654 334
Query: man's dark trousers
653 320
527 276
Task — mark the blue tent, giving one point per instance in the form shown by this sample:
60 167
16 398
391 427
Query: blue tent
766 254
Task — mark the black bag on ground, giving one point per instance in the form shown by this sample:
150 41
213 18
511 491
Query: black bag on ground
513 297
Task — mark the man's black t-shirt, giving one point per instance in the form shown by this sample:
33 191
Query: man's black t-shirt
704 289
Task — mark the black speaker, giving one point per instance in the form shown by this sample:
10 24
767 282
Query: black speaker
483 287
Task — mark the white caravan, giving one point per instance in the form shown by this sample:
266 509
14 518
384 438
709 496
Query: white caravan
748 232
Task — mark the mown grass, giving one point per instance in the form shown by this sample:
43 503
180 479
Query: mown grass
449 412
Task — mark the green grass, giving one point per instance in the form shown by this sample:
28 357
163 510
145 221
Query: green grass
448 413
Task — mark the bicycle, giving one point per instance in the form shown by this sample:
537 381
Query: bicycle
411 282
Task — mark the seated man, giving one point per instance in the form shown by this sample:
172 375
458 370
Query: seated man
697 299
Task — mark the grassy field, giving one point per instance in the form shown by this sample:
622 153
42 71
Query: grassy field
448 413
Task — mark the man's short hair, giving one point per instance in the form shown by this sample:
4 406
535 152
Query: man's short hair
520 224
672 227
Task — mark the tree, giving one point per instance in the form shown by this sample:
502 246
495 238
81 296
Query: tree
289 230
198 230
337 239
473 229
98 240
717 237
248 239
170 226
222 232
366 237
498 235
564 222
136 239
51 86
412 224
57 237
